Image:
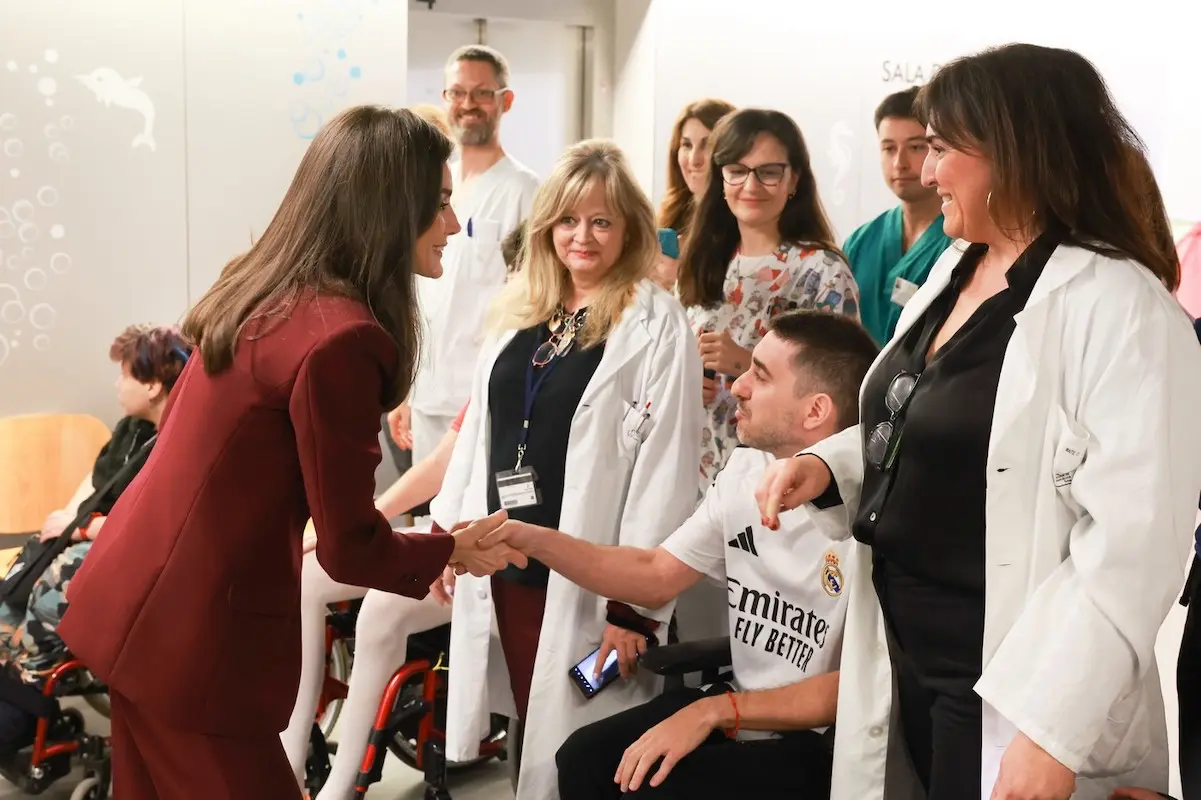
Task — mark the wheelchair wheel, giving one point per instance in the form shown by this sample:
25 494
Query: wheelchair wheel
339 670
89 789
404 743
69 725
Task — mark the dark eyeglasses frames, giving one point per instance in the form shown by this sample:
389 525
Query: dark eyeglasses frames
766 174
885 439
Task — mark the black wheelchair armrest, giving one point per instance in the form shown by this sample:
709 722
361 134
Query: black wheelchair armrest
683 658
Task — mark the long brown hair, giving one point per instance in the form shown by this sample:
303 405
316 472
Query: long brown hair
542 282
707 253
1062 154
367 187
676 209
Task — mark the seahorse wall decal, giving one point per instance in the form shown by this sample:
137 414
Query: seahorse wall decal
113 90
841 154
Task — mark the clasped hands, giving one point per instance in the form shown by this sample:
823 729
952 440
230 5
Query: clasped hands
478 552
482 547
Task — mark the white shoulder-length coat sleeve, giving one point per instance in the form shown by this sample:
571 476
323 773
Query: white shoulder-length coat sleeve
843 454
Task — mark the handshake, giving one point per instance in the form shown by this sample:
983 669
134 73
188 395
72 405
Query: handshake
486 546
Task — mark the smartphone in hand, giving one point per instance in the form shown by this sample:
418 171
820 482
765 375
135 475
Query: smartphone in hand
582 674
669 243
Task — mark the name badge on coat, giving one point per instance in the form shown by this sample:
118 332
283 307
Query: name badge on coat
903 291
518 488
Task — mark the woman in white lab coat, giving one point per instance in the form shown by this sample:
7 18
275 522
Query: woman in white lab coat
1027 533
612 435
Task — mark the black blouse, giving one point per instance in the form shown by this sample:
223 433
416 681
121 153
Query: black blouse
924 517
550 427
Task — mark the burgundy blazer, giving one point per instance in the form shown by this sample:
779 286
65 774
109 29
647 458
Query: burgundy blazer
188 604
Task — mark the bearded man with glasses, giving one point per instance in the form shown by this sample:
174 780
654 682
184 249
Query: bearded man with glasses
493 193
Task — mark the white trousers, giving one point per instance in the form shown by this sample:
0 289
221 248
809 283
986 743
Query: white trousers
381 637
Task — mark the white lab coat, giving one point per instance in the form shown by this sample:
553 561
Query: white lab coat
1094 467
618 491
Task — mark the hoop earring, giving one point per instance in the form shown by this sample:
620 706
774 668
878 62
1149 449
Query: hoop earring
988 202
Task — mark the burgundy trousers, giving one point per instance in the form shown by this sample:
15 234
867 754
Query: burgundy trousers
519 620
153 761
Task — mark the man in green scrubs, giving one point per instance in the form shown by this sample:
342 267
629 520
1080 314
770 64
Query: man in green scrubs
892 255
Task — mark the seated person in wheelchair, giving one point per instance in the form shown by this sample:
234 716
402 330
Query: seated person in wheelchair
151 359
379 648
385 621
760 734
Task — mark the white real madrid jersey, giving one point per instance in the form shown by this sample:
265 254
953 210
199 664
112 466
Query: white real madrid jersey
787 589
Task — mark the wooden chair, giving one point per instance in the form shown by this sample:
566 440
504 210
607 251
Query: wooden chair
43 458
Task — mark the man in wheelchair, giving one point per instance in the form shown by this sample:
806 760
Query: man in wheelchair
760 733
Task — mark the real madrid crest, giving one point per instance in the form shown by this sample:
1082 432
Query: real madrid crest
832 575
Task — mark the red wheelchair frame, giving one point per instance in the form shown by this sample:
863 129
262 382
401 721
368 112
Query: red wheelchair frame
411 719
60 737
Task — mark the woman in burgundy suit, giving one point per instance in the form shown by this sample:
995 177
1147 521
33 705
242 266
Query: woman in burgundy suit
188 606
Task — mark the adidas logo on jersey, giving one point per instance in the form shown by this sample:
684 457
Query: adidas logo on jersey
745 541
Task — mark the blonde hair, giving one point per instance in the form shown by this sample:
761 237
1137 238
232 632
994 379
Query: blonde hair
433 115
542 282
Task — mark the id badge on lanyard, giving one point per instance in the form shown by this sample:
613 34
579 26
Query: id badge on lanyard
518 487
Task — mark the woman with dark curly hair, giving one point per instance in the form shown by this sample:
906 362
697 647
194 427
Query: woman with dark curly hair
151 359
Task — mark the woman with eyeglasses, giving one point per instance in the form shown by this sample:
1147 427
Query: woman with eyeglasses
761 245
1025 473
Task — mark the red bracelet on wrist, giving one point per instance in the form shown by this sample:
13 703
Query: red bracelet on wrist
733 734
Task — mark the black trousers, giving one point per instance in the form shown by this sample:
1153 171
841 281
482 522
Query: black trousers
1188 689
795 766
935 637
942 731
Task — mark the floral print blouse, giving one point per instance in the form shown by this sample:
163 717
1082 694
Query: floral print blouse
758 289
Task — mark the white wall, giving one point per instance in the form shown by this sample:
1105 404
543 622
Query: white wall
92 229
251 117
635 70
824 64
97 233
573 12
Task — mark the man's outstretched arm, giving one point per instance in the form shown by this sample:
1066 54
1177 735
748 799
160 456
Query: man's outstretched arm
647 578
